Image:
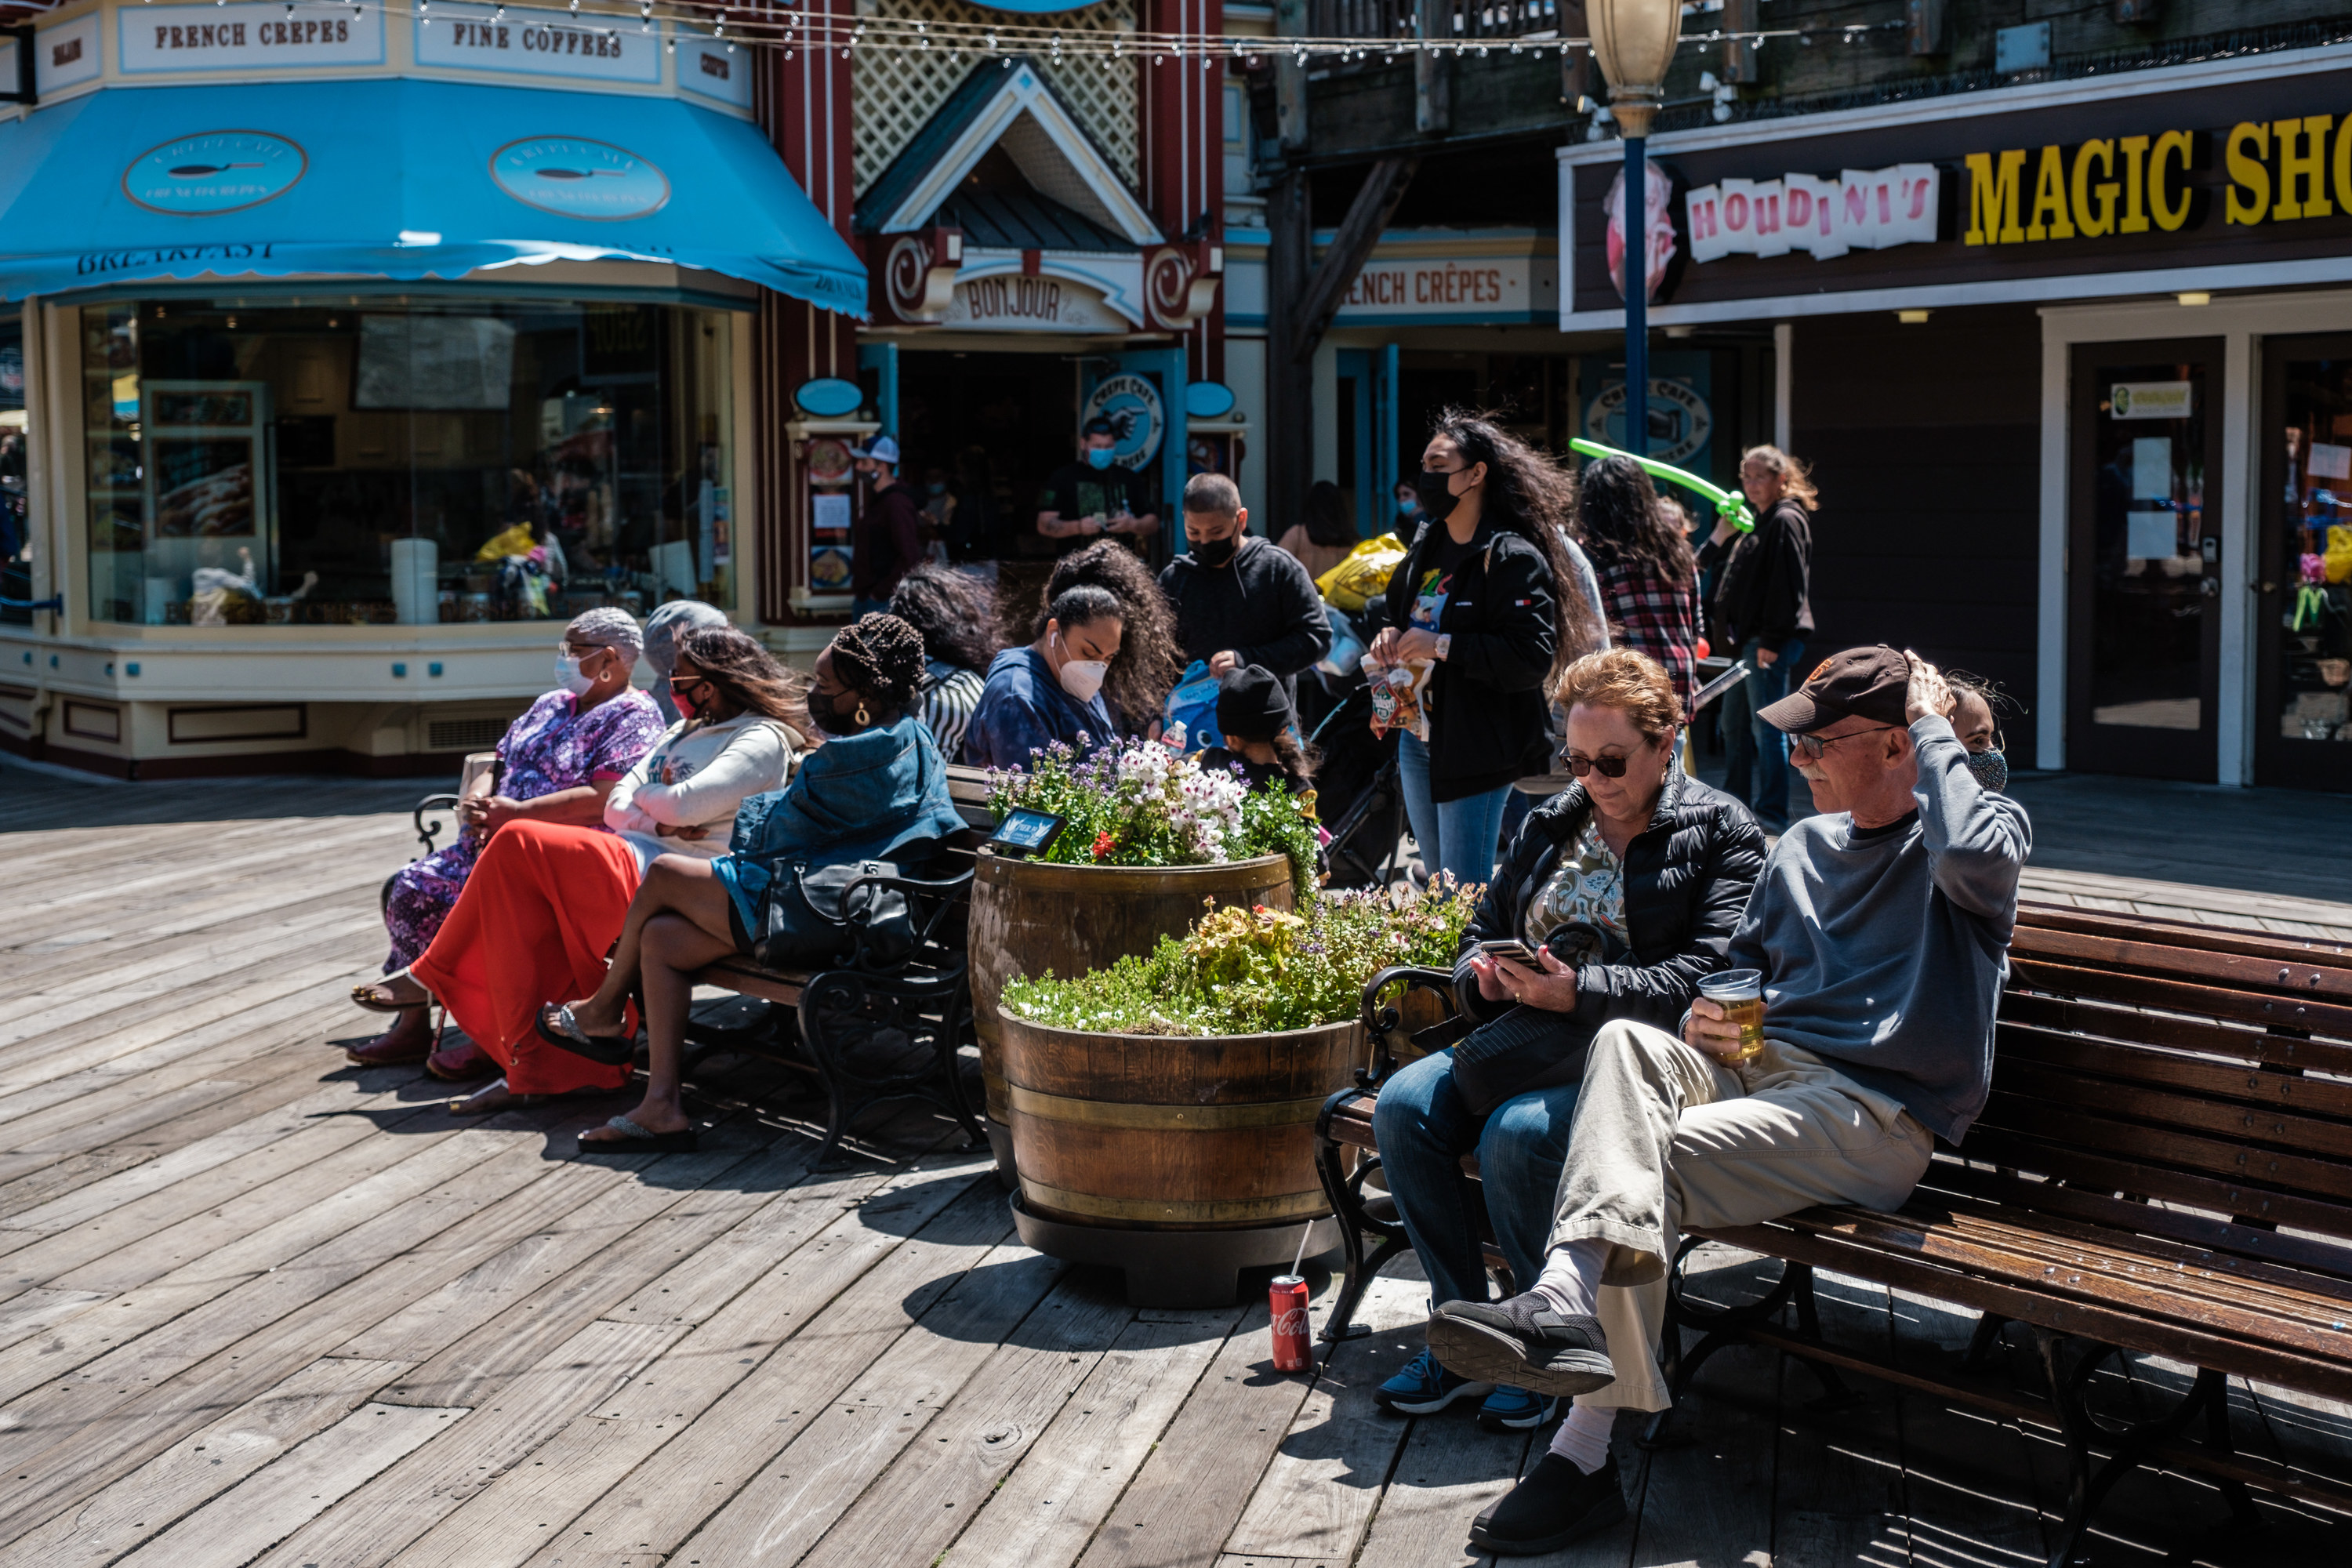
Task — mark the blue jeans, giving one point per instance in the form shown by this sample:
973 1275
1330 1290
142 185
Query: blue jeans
1424 1129
1766 687
1458 835
1734 717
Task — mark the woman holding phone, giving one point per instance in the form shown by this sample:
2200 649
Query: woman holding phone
1617 896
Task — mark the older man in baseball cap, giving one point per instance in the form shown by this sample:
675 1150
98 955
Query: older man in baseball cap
1881 931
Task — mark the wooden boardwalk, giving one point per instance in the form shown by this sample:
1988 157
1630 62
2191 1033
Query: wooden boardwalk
260 1307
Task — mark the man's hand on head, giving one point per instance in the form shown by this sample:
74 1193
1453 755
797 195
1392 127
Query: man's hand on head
1929 692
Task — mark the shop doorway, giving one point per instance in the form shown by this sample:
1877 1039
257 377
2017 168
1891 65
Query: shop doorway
2303 620
992 427
2143 624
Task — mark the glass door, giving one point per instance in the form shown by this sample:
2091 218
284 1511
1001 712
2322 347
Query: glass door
2303 621
2144 560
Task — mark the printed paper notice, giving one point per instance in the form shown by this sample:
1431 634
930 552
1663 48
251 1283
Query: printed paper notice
2152 535
2330 462
831 512
2152 469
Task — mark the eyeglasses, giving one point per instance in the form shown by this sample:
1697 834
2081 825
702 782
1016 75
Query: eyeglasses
1814 745
1607 767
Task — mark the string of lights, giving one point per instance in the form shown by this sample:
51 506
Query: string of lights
791 30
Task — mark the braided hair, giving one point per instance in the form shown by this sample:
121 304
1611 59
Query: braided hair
880 658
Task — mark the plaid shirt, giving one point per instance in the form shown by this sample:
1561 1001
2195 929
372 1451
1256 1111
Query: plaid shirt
1655 616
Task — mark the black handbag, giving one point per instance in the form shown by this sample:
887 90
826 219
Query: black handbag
810 919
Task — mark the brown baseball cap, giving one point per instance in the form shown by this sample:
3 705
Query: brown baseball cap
1874 683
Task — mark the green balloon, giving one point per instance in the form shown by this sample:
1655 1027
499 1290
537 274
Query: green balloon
1732 507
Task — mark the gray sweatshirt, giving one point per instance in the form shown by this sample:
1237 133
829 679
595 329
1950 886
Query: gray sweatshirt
1884 951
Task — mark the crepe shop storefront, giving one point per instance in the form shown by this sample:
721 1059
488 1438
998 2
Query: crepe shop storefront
346 351
2074 363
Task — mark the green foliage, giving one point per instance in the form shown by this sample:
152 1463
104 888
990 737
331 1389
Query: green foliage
1143 805
1247 972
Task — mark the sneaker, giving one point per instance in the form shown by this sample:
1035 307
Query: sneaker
1553 1504
1423 1387
1525 1342
1509 1409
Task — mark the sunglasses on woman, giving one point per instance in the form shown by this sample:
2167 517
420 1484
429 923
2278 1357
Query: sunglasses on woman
1607 767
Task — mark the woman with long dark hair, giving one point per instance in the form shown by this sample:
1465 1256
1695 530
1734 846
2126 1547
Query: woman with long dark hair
1649 578
1149 657
1478 601
953 612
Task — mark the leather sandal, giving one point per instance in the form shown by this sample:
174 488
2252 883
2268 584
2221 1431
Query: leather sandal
636 1139
380 1005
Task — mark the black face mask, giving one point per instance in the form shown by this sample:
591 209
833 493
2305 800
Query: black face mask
1435 499
838 717
1215 551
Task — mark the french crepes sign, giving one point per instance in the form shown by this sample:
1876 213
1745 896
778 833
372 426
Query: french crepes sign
1857 209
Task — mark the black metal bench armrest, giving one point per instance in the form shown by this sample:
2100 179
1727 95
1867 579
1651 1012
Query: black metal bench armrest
431 804
1339 1100
1383 1019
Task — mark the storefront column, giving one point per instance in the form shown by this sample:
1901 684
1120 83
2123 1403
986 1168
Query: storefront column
2234 735
2050 621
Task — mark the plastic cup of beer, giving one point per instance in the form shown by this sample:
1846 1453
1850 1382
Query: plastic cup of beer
1740 994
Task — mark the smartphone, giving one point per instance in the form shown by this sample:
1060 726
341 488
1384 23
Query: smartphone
1510 948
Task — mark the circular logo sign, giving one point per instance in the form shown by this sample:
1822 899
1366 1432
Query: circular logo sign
574 177
1132 406
214 171
1680 420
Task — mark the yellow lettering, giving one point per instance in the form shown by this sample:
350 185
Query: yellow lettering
2305 169
2249 173
2092 224
2135 152
1992 198
2050 219
2342 165
2171 214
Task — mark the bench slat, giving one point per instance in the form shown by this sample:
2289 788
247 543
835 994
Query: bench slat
2156 956
2101 1021
2308 1097
2066 1161
2272 1172
2035 919
2191 996
2068 1315
2310 1141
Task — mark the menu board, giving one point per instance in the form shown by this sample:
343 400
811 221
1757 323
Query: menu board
434 362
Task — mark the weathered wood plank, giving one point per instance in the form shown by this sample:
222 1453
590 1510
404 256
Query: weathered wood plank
1049 1508
231 1529
1712 1497
1969 1485
1449 1471
200 1467
375 1521
1838 1487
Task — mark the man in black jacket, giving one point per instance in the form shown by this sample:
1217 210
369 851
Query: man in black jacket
1239 599
1763 607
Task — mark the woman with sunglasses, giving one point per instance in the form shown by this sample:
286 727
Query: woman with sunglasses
546 903
1623 889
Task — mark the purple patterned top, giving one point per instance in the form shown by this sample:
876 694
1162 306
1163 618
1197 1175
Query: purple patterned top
553 746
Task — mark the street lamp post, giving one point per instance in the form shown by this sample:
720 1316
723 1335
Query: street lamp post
1634 41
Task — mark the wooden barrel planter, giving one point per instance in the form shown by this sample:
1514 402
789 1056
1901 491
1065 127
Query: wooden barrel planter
1028 917
1182 1161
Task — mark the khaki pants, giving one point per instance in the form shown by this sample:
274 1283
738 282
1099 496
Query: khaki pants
1666 1138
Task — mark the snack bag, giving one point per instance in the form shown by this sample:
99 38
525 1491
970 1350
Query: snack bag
1192 708
1397 698
1364 572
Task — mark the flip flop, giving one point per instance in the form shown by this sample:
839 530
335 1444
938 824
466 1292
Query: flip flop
636 1139
360 996
558 1028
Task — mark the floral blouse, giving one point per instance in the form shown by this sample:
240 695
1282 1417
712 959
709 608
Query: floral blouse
554 746
1587 886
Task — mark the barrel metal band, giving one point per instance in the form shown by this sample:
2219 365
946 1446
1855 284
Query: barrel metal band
1176 1211
1162 1118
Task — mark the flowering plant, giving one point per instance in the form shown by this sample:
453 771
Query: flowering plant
1144 805
1259 971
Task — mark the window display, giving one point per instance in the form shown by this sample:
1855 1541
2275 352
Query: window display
402 462
2309 558
15 516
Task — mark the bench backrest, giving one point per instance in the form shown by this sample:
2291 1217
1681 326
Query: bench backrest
2205 1068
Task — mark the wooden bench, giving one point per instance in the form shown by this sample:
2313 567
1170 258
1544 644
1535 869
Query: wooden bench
870 1031
2163 1166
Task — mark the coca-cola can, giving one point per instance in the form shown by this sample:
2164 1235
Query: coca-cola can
1287 1298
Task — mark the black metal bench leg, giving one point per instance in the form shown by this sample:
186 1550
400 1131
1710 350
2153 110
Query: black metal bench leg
2133 1443
2243 1512
1346 1197
1717 1327
1981 1342
1836 1393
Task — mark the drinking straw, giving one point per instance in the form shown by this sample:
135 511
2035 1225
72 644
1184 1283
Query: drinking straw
1732 507
1304 1237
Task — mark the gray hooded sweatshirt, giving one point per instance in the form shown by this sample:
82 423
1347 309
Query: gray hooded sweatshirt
1883 949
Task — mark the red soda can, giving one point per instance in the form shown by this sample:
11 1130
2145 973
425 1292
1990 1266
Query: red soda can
1287 1299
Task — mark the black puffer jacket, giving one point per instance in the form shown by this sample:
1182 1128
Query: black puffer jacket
1687 877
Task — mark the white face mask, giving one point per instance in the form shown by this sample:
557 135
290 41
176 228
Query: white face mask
1082 678
568 675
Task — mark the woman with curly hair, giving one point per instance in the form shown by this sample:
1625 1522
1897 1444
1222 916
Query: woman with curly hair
953 612
1479 601
1144 670
877 789
1649 578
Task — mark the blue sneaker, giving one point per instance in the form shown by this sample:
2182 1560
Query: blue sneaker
1423 1387
1509 1409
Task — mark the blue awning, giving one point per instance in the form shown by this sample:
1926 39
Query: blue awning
399 179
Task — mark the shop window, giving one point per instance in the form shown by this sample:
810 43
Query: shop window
15 461
2312 557
390 463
